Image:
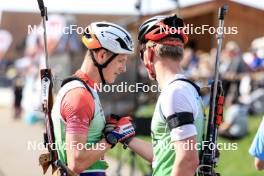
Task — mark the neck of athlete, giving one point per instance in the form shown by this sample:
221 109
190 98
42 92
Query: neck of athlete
166 69
91 70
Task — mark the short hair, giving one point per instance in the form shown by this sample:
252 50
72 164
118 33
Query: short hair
168 51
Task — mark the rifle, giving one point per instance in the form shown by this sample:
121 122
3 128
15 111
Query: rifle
51 158
209 155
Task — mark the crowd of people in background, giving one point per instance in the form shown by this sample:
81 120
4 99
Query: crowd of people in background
242 78
23 73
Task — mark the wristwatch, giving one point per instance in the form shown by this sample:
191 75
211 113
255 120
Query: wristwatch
111 139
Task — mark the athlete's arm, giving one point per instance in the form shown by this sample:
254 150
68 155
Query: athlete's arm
142 148
257 147
79 160
178 107
77 108
186 161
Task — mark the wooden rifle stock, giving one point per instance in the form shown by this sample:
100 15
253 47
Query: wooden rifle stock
51 158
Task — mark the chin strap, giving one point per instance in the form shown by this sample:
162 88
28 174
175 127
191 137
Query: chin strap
100 67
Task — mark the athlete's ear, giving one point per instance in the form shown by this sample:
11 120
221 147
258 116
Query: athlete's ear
102 56
149 62
150 54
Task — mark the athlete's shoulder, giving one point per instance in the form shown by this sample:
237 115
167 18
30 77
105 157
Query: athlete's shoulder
178 87
78 97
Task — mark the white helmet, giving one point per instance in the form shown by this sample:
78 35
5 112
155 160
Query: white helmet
109 36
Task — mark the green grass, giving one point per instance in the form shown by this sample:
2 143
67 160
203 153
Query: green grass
239 162
232 162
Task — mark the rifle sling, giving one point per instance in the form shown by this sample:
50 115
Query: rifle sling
74 78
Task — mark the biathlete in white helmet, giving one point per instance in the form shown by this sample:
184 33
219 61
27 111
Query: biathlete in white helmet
77 115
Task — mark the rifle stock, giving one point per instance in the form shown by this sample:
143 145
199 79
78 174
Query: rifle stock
47 103
51 158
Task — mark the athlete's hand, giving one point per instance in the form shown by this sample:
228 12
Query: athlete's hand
124 129
119 129
111 123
